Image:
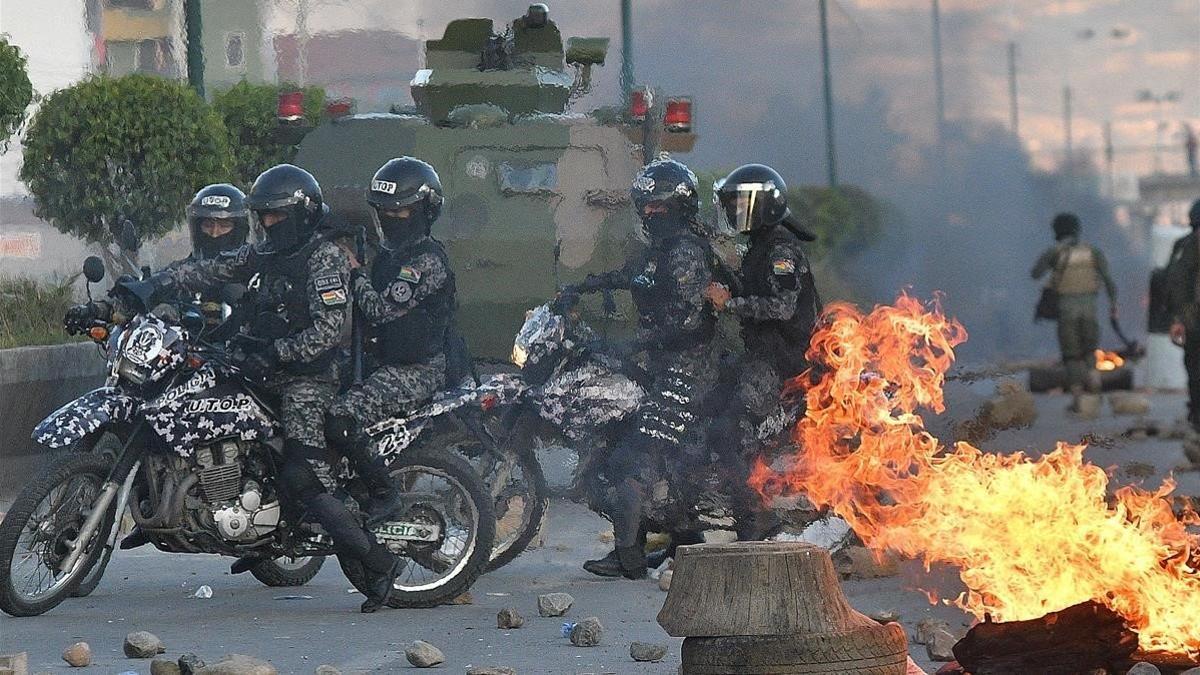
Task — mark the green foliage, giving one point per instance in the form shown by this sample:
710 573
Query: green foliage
31 311
136 146
249 113
16 92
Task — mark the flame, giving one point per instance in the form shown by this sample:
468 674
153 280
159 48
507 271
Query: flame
1108 360
1029 536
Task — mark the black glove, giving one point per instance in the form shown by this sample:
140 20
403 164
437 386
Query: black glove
79 317
257 366
565 301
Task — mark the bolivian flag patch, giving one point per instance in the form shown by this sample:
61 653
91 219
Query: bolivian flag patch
410 274
783 267
334 298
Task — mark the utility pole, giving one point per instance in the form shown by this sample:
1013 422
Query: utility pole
626 49
1109 153
1069 150
938 84
1014 118
195 47
827 78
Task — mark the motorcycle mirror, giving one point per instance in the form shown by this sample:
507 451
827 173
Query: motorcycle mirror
192 322
128 238
93 269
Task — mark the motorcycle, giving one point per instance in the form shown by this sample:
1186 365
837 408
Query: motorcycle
197 468
581 389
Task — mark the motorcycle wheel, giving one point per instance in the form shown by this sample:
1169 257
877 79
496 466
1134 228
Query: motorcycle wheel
92 579
443 491
108 445
34 535
521 500
288 572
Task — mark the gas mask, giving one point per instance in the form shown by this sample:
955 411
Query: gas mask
397 233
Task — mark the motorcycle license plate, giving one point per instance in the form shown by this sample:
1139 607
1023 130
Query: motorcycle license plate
401 531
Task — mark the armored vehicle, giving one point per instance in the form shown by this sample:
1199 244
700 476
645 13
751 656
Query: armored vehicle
535 194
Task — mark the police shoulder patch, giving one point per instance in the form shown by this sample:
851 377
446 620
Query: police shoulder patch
410 274
327 282
783 266
400 292
334 298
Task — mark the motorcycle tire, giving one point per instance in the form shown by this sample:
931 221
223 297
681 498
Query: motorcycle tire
92 467
285 573
109 446
477 501
533 515
92 579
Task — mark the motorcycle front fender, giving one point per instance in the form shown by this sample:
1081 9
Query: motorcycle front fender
84 415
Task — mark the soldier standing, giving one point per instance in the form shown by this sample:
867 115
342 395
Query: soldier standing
1183 304
407 299
1077 272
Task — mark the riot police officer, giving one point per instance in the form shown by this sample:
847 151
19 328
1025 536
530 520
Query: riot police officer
290 344
777 304
676 326
407 299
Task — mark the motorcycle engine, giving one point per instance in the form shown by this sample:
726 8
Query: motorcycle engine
235 501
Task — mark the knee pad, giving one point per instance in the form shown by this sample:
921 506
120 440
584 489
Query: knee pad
341 429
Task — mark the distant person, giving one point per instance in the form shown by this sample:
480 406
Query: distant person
1183 305
1077 272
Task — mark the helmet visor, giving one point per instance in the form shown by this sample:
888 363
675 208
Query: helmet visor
744 205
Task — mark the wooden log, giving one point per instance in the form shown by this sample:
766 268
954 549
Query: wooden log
1078 639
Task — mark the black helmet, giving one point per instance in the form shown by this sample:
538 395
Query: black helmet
295 192
221 201
537 15
752 197
405 182
672 184
1065 225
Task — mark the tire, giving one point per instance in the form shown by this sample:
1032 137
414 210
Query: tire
866 650
108 445
285 573
91 469
92 579
467 486
536 496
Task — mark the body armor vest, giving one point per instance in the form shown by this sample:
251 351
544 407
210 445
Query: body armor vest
1079 276
782 343
282 307
652 292
421 333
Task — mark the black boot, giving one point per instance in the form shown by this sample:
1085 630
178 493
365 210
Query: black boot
381 568
386 503
633 562
134 539
608 566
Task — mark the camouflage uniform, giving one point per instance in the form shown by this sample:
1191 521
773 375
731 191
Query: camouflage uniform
1183 305
422 283
1078 272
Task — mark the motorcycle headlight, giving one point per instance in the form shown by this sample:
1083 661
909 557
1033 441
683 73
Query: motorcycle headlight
519 355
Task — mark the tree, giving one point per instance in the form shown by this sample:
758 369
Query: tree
16 91
135 147
248 111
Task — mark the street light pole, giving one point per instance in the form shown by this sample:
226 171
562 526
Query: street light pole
938 82
626 50
827 79
195 47
1069 151
1013 109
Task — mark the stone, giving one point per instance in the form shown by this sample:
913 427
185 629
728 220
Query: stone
491 670
647 651
424 655
190 664
664 580
1129 403
14 664
509 618
859 562
142 645
1089 406
940 646
926 628
884 616
1191 671
1145 669
554 604
163 666
78 655
587 633
238 664
1013 407
462 599
327 670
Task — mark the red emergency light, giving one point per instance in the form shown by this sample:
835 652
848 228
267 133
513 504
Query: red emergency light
678 117
291 106
639 104
339 107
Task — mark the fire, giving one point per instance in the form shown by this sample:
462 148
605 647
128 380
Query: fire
1108 360
1029 536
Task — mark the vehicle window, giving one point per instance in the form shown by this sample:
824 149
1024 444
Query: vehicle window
538 177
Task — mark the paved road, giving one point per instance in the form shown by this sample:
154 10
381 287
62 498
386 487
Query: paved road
152 591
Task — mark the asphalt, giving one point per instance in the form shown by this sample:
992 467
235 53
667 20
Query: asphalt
299 629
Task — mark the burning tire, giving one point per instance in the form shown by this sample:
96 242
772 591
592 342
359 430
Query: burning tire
865 650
